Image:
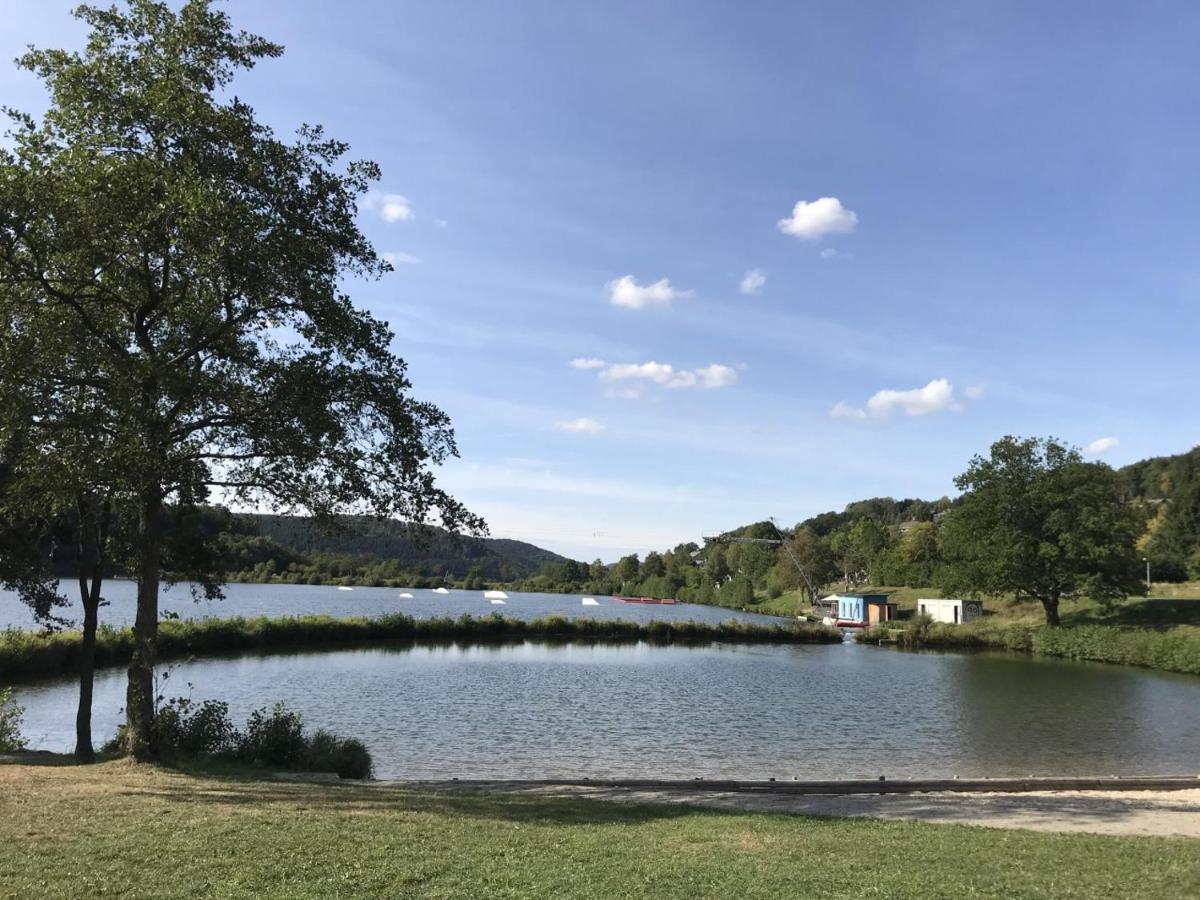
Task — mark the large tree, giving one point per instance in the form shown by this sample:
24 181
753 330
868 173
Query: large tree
197 263
1036 519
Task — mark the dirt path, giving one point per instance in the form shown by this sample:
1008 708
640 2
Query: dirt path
1155 813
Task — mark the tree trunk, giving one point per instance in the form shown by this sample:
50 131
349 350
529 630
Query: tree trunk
93 538
84 751
141 741
1050 605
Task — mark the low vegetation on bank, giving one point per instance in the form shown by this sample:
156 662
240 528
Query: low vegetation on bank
113 831
10 723
190 732
1170 650
26 655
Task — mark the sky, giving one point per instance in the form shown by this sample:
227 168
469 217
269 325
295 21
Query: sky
674 267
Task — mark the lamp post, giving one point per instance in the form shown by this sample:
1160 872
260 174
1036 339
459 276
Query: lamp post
1147 562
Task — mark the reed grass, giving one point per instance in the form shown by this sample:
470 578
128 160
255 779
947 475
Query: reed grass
29 655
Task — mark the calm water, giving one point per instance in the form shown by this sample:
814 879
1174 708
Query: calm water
535 710
303 599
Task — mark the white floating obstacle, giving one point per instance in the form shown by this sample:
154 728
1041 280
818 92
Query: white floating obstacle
406 596
590 601
495 595
440 591
343 588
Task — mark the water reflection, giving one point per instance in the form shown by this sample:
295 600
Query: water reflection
541 710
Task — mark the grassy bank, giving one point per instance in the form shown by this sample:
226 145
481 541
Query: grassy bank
117 830
27 655
1171 650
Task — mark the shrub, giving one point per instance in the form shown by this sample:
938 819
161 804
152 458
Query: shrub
10 723
327 752
274 738
193 730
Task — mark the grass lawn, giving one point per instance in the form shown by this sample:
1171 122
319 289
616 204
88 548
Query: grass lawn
119 830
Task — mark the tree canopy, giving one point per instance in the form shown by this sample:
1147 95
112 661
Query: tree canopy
173 272
1036 519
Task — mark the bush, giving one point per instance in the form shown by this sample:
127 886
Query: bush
10 723
196 730
274 739
347 757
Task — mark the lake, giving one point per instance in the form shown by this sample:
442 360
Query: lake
305 599
533 710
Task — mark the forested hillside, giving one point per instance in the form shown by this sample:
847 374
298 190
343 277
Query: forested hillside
1167 489
294 549
876 541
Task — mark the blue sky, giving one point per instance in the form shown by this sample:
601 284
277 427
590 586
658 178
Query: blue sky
1007 241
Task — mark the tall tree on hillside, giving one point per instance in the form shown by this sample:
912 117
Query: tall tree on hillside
197 261
858 547
807 561
1036 519
627 569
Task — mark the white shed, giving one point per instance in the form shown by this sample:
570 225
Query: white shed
950 610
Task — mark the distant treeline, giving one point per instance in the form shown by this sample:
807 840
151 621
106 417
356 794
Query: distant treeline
356 550
876 541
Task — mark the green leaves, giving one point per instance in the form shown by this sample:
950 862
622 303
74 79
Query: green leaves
1036 519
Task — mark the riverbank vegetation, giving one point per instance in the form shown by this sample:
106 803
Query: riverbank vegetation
107 830
25 655
1171 650
10 723
190 732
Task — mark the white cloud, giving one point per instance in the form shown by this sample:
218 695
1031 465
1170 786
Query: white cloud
582 425
752 281
833 253
395 208
814 219
582 362
716 376
391 207
440 223
1100 446
845 411
708 377
626 292
401 259
935 397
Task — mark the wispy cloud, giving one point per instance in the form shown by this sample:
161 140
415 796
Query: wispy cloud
752 282
832 253
1100 446
582 425
814 219
707 377
626 292
937 396
583 362
398 258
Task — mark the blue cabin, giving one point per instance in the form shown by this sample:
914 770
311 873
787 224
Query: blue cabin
865 609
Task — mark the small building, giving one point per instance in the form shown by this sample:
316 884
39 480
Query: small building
951 610
863 609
